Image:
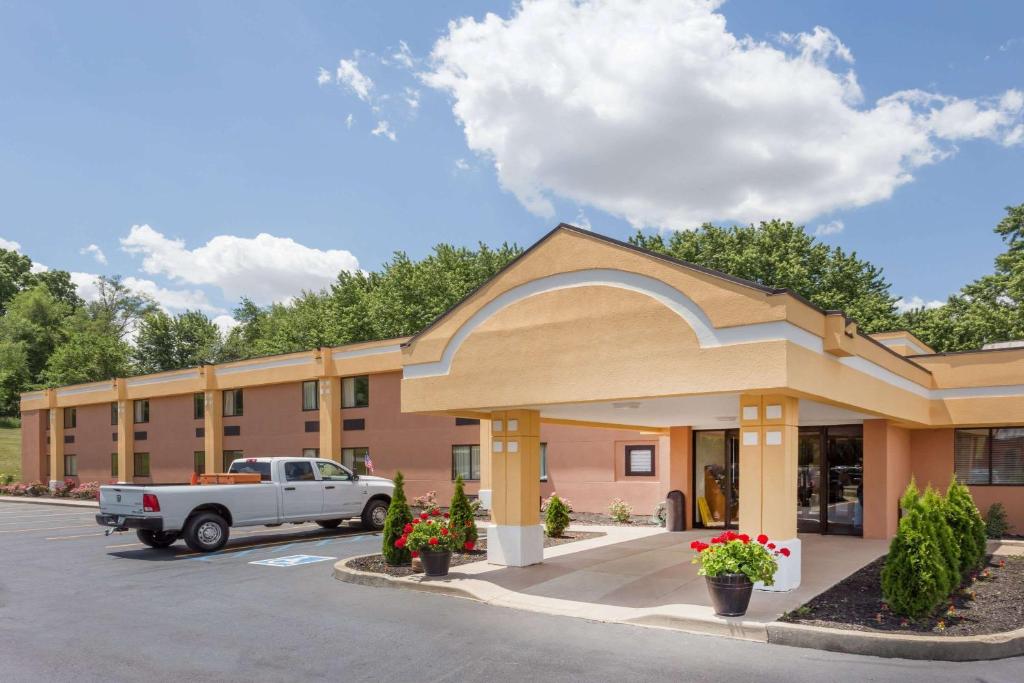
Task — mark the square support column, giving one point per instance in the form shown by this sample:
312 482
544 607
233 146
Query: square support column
484 494
516 539
56 448
213 430
675 463
126 441
886 475
330 418
769 436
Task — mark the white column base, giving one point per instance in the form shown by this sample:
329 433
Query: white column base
56 485
484 496
787 578
515 546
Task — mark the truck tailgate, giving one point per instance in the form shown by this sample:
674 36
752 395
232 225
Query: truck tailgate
121 500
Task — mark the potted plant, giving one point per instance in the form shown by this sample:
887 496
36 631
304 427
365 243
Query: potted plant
731 564
431 538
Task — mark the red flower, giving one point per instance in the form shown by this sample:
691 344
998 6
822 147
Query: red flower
695 545
771 546
446 515
435 512
444 532
415 553
400 543
407 528
423 515
744 538
416 521
717 539
784 552
469 545
430 521
433 541
762 539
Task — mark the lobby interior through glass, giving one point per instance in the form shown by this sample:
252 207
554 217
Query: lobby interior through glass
830 479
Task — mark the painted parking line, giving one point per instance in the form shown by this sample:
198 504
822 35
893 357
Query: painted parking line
25 520
45 528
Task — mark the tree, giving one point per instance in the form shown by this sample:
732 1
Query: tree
117 308
59 284
461 517
399 515
556 519
15 275
34 320
779 254
87 356
986 310
166 342
913 578
967 525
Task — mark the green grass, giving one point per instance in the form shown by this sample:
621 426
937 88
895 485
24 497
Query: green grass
10 452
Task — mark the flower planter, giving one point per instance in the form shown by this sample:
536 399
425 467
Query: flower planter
730 594
437 563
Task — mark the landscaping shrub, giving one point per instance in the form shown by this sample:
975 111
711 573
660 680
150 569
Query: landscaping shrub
996 525
620 510
935 510
6 479
967 525
565 501
89 490
915 575
461 515
427 502
556 517
399 515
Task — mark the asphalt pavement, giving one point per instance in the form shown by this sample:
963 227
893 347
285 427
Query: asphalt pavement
78 606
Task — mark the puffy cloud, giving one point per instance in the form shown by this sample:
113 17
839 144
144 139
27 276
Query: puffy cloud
265 268
654 111
10 245
349 120
384 128
462 165
86 284
95 252
348 74
170 300
915 302
830 228
323 77
404 55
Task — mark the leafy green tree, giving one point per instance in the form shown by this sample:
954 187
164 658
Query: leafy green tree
914 576
461 516
87 357
118 309
34 320
14 376
398 516
15 275
59 284
990 309
166 342
934 507
556 519
779 254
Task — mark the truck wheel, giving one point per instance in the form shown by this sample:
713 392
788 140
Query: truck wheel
329 523
157 539
206 532
374 514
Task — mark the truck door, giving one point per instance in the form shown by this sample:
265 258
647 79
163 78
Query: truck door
302 494
343 496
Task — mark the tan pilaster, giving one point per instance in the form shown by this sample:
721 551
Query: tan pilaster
56 442
330 418
125 440
213 430
486 458
751 459
675 463
516 539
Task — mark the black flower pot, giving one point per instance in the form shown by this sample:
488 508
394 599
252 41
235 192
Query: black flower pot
730 594
436 563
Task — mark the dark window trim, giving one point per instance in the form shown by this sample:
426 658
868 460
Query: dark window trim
232 430
355 405
654 460
70 455
312 426
73 413
113 414
356 424
238 405
466 421
470 446
988 452
199 406
543 451
113 464
135 464
316 395
135 414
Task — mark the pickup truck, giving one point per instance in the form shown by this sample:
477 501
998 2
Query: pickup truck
292 490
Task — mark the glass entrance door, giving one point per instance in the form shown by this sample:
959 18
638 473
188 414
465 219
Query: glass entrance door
716 458
830 480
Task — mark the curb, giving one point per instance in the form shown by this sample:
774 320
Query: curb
84 504
898 645
427 585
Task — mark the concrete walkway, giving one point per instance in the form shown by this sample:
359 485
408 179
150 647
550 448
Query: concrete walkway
639 576
44 500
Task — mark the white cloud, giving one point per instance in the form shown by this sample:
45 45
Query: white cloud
86 284
384 128
170 300
404 55
349 75
95 252
915 302
831 228
655 112
349 120
462 165
323 77
265 268
225 323
581 220
10 245
412 98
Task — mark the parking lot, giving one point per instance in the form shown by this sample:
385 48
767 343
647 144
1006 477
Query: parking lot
76 605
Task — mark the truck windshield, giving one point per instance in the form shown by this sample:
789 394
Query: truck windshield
244 467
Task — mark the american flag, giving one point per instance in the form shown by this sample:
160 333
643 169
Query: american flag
368 463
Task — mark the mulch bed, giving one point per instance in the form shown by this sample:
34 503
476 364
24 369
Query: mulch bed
598 519
377 565
990 601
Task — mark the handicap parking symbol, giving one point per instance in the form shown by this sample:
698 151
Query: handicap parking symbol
292 560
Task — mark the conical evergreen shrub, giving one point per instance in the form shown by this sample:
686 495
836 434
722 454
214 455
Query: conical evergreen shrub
556 519
935 510
915 576
968 527
461 515
399 515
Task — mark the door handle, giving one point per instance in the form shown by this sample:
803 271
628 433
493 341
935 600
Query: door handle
289 488
328 487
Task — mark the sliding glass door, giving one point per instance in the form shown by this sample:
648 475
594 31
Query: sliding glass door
830 480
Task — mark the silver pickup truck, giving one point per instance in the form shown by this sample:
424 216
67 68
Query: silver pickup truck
291 490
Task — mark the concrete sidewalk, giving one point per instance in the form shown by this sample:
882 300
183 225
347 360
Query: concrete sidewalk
42 500
638 575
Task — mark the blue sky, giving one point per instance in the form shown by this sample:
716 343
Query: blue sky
206 122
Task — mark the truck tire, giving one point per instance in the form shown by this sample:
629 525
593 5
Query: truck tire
329 523
374 514
206 532
157 539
